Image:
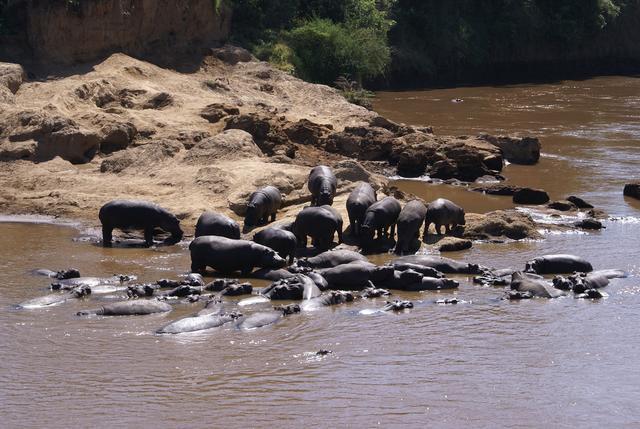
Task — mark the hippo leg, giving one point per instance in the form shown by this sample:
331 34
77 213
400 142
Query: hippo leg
273 217
197 266
107 235
339 235
148 236
447 229
438 229
393 230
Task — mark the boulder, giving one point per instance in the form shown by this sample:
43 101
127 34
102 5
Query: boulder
232 54
589 223
500 223
228 145
562 205
11 151
579 202
632 190
351 171
516 150
216 111
530 196
12 76
306 132
116 136
141 158
497 189
453 244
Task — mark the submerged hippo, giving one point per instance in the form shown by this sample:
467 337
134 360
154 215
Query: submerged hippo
319 223
558 264
440 263
360 199
410 220
136 214
424 270
212 223
282 241
540 288
410 280
227 256
264 318
298 287
263 204
329 298
198 322
322 184
379 217
137 307
69 273
443 212
332 258
55 298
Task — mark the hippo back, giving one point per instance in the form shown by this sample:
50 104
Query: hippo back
212 223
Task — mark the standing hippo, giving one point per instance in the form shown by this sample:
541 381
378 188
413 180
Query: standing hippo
379 217
320 224
558 264
282 241
135 214
263 203
322 185
227 256
360 199
212 223
443 212
409 223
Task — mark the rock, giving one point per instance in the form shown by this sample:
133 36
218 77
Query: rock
453 244
232 54
530 196
579 202
307 132
500 223
158 101
493 162
632 190
142 157
228 145
524 150
496 189
562 205
382 122
351 171
12 76
116 136
216 111
75 145
267 131
11 151
589 223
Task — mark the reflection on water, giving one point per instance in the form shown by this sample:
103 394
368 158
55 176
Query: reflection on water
487 363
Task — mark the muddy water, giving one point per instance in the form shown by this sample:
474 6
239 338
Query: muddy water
489 363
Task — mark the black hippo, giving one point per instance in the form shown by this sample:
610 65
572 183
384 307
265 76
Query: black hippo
443 212
227 256
360 199
137 307
580 282
320 224
143 290
322 185
69 273
56 298
197 323
212 223
135 214
333 297
237 289
297 287
410 280
263 203
282 241
440 263
558 264
397 305
410 220
424 270
271 274
356 275
540 288
373 292
379 217
332 258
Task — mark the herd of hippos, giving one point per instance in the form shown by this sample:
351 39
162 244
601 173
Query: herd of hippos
329 278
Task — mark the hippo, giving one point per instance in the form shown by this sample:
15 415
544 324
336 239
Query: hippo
372 292
263 203
410 280
136 214
409 222
425 271
360 199
220 284
260 319
297 287
332 258
282 241
237 289
227 255
271 274
212 223
97 284
397 305
440 263
184 291
558 264
322 184
56 298
356 275
540 288
320 224
69 273
333 297
137 307
379 217
288 309
443 212
197 323
138 291
581 282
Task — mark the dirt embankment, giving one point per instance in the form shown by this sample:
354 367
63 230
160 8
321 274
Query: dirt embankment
202 140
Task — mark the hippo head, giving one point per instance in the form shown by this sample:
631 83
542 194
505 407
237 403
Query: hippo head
366 233
250 218
271 259
411 276
81 291
460 218
449 284
531 266
562 283
380 274
325 198
173 226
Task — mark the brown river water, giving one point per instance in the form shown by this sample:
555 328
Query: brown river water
486 363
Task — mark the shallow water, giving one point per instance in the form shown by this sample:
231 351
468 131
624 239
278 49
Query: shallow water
488 363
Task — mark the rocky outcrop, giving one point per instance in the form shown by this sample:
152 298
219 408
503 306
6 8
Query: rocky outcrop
142 158
562 205
12 76
498 224
579 202
228 145
453 244
530 196
632 190
516 150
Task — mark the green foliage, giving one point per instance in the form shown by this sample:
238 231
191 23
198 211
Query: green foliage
280 55
353 92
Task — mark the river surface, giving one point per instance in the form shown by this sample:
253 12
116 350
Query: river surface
488 363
